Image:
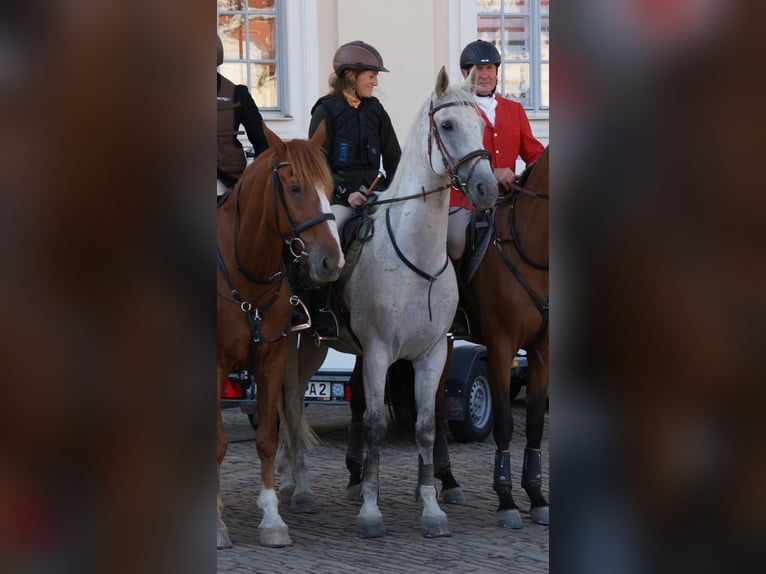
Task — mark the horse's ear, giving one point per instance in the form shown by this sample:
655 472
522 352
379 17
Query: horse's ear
469 83
319 134
275 142
442 82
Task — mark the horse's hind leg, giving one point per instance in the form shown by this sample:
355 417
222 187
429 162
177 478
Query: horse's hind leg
452 493
433 519
531 478
295 433
499 367
355 451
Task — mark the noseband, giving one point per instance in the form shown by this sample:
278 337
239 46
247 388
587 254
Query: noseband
450 164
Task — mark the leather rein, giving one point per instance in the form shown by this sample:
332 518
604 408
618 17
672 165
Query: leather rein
542 305
452 166
253 314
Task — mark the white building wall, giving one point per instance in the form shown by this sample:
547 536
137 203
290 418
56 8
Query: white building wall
415 38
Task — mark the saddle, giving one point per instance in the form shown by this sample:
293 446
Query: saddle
357 230
478 235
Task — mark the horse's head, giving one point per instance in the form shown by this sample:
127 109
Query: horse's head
455 143
302 185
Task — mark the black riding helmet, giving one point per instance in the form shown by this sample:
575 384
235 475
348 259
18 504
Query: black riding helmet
479 52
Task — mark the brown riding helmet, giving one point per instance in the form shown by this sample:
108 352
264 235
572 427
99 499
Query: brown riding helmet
357 55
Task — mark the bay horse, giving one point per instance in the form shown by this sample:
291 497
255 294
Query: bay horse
507 301
281 199
401 296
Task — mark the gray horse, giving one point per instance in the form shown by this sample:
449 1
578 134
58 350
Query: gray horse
401 296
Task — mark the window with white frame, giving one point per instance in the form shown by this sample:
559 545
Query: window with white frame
250 31
520 30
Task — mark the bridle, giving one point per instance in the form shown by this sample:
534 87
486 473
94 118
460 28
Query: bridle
450 164
297 249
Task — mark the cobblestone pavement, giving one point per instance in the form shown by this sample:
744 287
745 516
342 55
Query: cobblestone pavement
328 542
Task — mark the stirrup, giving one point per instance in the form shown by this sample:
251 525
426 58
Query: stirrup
299 315
326 326
461 325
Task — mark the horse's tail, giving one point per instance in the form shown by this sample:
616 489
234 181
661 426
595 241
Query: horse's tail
306 434
401 397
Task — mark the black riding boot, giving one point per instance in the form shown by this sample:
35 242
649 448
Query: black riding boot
324 321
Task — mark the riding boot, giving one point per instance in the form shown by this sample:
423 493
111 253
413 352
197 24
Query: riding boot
324 321
461 325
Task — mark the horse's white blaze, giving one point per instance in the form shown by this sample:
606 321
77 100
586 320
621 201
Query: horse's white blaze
268 502
331 222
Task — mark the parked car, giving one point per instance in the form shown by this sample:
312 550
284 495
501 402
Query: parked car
467 405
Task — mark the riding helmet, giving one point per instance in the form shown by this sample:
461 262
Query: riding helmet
479 52
220 51
357 55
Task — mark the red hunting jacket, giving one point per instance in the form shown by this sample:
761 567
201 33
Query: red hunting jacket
510 138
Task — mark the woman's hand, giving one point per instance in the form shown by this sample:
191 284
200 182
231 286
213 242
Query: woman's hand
356 199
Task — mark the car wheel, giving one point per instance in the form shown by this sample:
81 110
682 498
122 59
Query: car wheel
478 419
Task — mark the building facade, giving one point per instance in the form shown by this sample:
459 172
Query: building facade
283 50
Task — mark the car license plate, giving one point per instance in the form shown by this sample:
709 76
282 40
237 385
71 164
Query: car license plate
319 391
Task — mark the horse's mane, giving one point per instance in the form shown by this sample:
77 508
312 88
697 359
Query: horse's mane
309 164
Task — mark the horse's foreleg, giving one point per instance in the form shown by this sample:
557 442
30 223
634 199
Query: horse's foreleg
531 477
355 451
222 534
370 519
273 530
433 519
499 370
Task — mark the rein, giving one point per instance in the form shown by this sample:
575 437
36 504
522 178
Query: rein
543 305
430 278
254 315
450 164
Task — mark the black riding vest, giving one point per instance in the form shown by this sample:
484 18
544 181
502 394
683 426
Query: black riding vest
355 140
231 158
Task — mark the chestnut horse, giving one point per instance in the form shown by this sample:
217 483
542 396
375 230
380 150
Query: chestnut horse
282 198
507 300
401 296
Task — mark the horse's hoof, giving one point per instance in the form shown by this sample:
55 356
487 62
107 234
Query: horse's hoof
304 502
435 527
540 515
453 496
223 539
286 494
275 537
509 519
371 527
354 492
